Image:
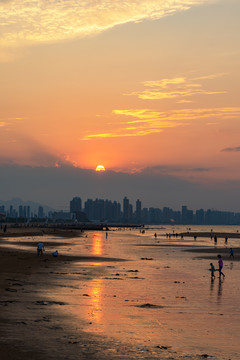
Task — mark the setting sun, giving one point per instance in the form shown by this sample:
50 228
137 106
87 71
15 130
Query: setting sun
100 168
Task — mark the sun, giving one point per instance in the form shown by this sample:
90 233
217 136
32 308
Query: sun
100 168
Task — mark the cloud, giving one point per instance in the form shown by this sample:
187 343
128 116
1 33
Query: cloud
179 87
141 122
231 149
174 170
42 21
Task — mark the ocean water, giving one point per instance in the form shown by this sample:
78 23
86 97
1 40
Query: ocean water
161 295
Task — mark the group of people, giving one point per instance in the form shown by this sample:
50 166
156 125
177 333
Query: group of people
40 249
220 265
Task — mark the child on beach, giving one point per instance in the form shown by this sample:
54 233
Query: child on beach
55 254
231 253
220 264
212 269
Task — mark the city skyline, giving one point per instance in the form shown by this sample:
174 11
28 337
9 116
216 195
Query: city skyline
113 212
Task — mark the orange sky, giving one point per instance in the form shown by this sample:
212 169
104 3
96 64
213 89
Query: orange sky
126 85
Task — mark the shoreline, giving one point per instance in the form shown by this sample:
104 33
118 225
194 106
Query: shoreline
208 234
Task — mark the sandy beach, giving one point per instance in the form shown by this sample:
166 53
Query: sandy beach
38 322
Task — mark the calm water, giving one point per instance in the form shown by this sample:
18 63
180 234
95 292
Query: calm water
187 310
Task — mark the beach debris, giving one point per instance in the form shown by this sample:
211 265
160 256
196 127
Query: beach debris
10 290
132 270
146 258
181 297
85 295
44 303
162 347
150 306
176 282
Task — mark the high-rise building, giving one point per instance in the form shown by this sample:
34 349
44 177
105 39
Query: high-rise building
20 211
75 205
138 211
40 212
125 209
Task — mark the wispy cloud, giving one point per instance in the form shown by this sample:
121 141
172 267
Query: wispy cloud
141 122
25 22
231 149
179 87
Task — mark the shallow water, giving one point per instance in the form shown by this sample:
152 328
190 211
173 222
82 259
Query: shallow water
186 310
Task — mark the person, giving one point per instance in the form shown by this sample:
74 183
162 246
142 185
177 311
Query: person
226 239
55 253
220 264
231 253
212 269
40 248
155 235
215 239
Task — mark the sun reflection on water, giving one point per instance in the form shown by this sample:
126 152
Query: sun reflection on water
97 244
96 300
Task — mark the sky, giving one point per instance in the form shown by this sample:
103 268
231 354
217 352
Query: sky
140 87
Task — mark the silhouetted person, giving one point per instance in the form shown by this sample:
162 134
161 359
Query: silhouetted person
215 239
220 264
212 269
231 253
226 239
40 248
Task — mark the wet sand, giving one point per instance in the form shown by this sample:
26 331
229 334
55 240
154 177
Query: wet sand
37 231
34 327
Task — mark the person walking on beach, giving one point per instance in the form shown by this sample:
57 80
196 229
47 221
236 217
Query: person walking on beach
212 269
40 248
215 239
220 264
231 253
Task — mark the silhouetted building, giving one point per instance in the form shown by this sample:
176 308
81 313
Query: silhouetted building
125 209
138 211
75 205
40 212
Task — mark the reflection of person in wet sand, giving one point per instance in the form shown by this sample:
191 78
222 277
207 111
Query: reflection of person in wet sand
220 288
220 264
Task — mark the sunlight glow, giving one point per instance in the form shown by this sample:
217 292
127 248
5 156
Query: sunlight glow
100 168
